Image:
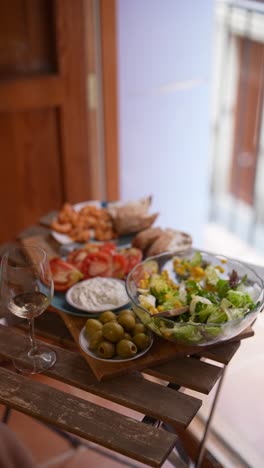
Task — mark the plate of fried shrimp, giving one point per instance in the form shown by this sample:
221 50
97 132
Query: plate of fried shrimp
101 221
83 222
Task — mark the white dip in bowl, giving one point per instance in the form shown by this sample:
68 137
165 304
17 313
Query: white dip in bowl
98 294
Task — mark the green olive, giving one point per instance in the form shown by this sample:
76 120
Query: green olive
127 336
107 316
139 328
127 321
106 349
127 311
113 331
92 326
141 340
96 339
126 348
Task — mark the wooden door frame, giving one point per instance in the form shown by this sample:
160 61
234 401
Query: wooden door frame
108 22
99 38
84 153
101 56
70 44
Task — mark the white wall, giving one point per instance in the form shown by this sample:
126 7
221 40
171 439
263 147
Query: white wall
164 65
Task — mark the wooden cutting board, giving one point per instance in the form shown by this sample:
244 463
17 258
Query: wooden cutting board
160 352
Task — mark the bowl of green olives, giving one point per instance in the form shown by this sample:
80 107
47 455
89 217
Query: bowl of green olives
115 337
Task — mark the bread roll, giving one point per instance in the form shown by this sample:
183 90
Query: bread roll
145 238
132 217
129 222
138 207
170 241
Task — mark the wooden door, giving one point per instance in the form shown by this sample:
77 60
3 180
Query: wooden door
48 133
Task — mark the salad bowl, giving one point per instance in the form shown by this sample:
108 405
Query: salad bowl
195 298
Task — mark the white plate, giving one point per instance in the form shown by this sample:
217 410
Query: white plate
70 300
84 343
63 238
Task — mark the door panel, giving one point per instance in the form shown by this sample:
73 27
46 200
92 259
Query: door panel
26 37
44 115
30 166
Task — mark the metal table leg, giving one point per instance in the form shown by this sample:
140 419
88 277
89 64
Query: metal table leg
6 415
200 455
185 459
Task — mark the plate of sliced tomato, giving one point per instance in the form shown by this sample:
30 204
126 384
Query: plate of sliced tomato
103 259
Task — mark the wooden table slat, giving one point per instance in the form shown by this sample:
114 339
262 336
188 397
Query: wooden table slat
131 391
85 419
50 325
189 373
223 353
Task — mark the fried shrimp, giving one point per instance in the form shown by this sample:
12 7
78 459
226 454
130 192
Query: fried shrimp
81 225
63 228
80 235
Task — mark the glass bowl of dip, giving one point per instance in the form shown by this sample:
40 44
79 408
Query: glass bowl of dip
98 294
219 297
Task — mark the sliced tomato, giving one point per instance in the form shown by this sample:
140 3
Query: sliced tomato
119 265
133 256
97 264
64 274
108 247
76 257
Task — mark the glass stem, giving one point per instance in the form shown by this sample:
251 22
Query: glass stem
33 344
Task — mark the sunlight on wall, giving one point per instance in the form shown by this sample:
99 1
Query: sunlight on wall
164 62
218 239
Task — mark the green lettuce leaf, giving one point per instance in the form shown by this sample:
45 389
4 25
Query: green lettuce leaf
196 260
239 298
222 287
217 316
212 275
187 333
159 287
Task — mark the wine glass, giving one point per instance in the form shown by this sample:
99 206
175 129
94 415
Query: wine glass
27 290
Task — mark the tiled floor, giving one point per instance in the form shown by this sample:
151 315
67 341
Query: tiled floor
240 413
